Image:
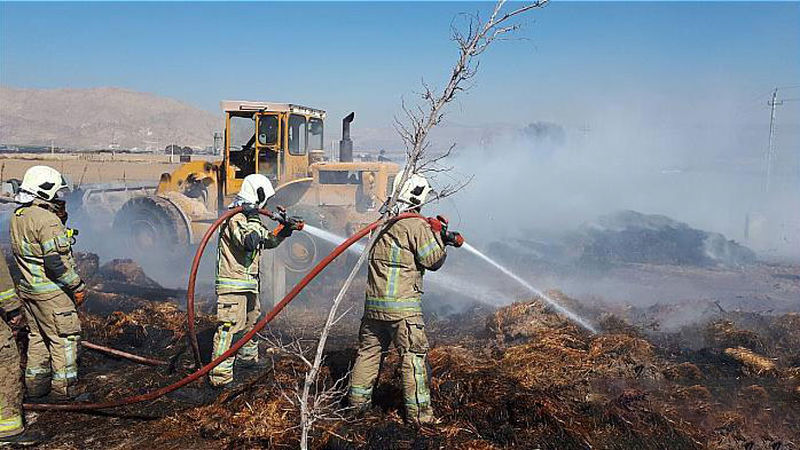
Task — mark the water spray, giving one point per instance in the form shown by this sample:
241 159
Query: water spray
571 315
449 282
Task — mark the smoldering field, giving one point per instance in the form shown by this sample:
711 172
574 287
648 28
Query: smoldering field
693 351
696 348
539 194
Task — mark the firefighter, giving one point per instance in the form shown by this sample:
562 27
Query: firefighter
49 287
12 430
393 309
241 241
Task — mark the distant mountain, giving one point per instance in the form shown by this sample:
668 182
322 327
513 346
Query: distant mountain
96 118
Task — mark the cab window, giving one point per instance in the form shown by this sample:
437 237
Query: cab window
297 135
240 153
268 130
339 177
315 137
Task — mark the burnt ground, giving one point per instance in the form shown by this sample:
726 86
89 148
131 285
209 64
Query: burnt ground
515 377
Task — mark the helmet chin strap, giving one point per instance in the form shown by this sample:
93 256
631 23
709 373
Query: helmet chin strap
262 197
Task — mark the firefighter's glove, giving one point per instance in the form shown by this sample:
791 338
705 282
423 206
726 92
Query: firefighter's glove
295 223
438 224
288 225
250 211
453 238
79 295
15 320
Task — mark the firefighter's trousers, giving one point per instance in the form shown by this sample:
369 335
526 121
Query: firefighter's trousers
10 384
408 336
53 339
236 314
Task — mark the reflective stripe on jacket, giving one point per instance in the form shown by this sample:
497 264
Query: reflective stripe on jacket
238 267
8 295
36 234
397 263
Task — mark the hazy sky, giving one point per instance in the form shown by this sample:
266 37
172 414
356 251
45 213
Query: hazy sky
578 59
663 105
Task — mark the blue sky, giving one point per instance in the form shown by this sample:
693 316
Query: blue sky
365 56
672 95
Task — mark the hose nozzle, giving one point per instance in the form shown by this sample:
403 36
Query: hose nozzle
294 223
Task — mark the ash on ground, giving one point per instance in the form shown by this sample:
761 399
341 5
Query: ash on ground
519 376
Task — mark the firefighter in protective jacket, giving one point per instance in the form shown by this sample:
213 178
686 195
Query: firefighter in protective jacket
393 309
12 430
50 288
10 381
241 241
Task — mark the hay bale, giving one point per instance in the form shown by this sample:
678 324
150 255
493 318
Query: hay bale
126 271
521 321
752 363
547 361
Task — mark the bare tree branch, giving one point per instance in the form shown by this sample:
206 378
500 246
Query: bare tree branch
414 132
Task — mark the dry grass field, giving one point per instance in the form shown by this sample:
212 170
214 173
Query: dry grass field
92 167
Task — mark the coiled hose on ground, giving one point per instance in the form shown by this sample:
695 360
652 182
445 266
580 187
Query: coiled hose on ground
190 317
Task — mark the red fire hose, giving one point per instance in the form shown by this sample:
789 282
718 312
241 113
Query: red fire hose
126 355
238 344
198 255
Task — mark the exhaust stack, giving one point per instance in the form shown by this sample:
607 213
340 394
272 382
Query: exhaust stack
346 144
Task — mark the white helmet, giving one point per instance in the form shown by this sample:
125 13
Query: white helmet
43 182
413 193
256 190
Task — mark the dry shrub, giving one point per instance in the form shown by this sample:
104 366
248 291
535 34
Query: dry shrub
752 363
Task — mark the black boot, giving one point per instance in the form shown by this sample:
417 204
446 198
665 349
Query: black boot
24 439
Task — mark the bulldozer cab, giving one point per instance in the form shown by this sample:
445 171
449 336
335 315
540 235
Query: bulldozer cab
273 139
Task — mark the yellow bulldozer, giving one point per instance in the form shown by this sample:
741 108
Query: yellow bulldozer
284 142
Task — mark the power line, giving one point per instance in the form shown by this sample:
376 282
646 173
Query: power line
773 103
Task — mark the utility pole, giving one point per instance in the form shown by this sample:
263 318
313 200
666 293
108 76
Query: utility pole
773 103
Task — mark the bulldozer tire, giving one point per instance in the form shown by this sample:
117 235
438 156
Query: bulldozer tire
151 224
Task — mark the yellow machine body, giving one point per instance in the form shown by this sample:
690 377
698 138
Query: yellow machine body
285 143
